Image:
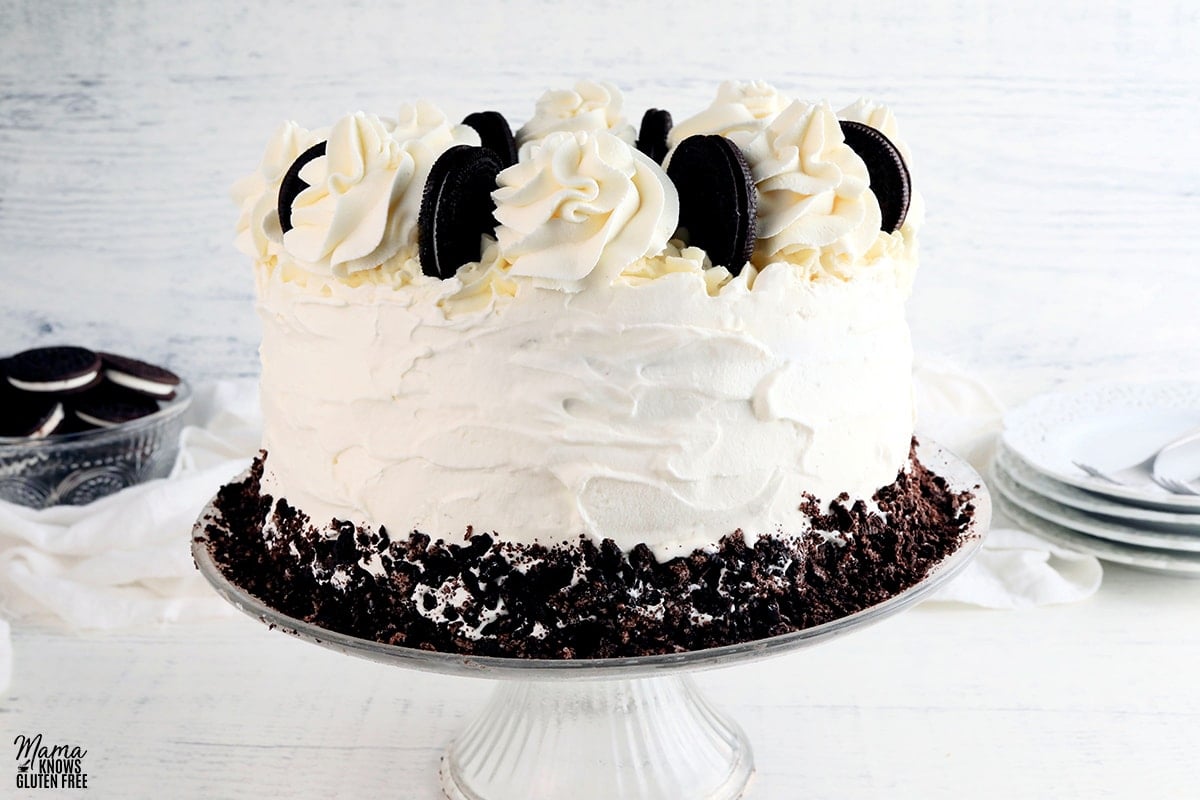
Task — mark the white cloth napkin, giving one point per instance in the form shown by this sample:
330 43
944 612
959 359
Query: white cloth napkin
125 559
1014 569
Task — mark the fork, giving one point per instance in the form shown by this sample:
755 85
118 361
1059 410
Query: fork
1175 486
1122 477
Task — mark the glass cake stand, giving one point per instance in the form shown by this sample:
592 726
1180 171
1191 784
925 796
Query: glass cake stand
599 729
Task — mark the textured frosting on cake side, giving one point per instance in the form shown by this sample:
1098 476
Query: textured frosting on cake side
653 413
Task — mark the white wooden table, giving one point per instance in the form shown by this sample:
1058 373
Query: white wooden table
1055 145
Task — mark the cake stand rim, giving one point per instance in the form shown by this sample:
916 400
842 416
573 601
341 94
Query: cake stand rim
958 474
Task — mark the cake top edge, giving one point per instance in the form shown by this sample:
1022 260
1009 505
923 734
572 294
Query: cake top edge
578 199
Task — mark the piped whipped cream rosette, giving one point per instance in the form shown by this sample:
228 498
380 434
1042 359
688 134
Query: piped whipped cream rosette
588 106
818 203
363 197
739 111
813 189
580 208
258 230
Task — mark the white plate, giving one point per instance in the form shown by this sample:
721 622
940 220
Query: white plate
1164 561
1082 522
1109 427
1029 478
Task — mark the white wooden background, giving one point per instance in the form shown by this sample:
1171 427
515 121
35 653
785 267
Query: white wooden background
1056 147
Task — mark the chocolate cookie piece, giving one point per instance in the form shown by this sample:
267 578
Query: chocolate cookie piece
717 199
108 405
457 209
54 370
495 134
652 136
29 415
890 180
139 376
292 185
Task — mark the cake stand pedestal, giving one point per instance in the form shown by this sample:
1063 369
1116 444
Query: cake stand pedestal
620 738
602 729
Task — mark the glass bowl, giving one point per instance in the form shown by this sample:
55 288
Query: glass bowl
77 468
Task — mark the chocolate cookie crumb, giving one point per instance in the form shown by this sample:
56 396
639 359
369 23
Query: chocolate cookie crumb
582 599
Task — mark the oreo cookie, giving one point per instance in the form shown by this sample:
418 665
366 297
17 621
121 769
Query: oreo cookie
890 180
717 199
27 415
108 405
495 134
139 376
652 136
53 370
457 209
292 185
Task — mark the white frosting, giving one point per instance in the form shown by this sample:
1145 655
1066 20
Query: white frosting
364 195
739 111
257 195
813 189
582 206
652 413
881 118
589 106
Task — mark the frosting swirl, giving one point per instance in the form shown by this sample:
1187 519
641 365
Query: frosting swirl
881 118
416 120
739 111
589 106
364 194
582 205
813 189
257 194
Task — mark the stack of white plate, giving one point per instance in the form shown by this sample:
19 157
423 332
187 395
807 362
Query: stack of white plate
1116 430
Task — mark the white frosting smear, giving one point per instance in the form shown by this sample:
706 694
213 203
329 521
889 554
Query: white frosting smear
653 413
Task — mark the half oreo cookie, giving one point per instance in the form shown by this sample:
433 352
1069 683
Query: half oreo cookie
889 176
652 136
457 209
717 199
495 134
292 185
54 370
139 376
108 405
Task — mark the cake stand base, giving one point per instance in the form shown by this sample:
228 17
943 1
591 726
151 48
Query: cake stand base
636 739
